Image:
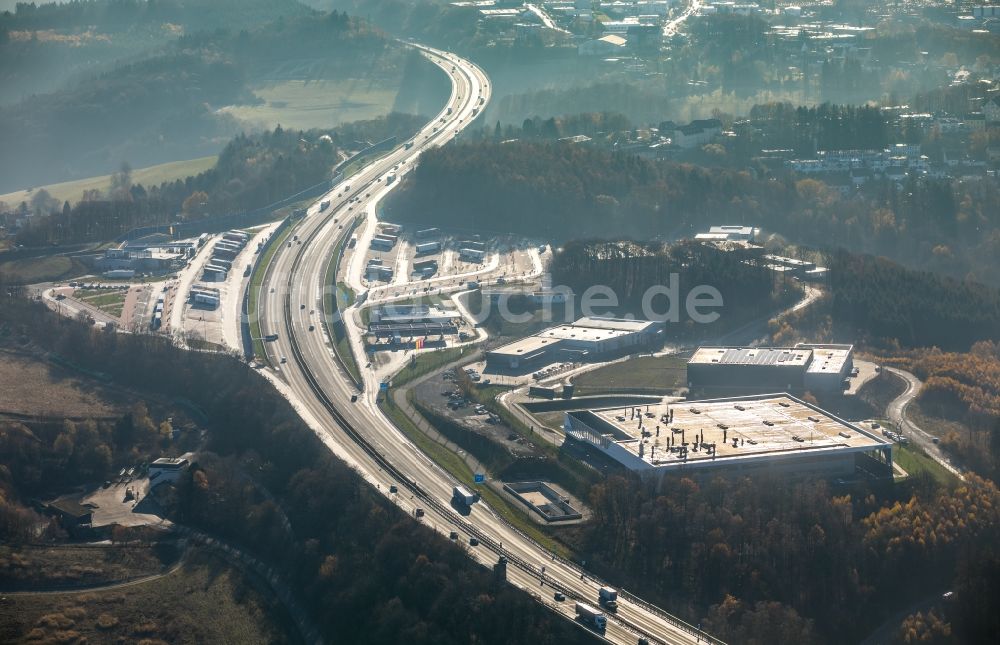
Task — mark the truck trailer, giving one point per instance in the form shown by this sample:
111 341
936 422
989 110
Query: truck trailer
471 255
462 494
608 598
426 248
592 616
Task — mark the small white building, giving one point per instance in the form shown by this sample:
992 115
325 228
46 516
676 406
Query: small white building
168 469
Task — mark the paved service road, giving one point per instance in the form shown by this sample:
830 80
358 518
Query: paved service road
897 414
307 372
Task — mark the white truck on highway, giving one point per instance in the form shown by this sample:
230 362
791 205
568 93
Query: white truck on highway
592 616
462 494
608 598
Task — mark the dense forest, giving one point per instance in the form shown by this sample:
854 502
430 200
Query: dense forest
631 269
163 106
823 127
252 171
890 304
774 561
366 572
564 191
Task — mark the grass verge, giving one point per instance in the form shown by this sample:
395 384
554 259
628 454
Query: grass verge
658 374
914 461
458 469
428 362
352 168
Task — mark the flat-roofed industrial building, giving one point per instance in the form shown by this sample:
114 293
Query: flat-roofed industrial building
586 339
813 367
736 435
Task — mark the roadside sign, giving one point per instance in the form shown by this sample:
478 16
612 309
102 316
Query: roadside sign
383 386
479 478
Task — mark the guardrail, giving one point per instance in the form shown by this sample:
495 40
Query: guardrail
245 330
385 144
327 323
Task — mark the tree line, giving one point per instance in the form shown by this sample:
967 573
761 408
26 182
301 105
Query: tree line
252 171
365 571
631 269
564 191
895 305
764 560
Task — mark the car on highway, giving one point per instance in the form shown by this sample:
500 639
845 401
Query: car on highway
312 327
393 488
473 541
284 360
453 535
354 398
302 306
419 512
559 596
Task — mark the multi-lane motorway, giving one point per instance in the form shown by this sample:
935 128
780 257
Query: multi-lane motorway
350 422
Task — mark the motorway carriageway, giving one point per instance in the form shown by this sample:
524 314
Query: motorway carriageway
359 433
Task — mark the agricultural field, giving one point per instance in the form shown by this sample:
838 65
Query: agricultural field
300 104
31 387
206 600
72 191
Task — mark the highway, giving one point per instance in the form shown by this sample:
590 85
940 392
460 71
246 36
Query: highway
307 372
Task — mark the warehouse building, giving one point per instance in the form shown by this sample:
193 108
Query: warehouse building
586 339
407 314
722 233
169 469
814 367
767 433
